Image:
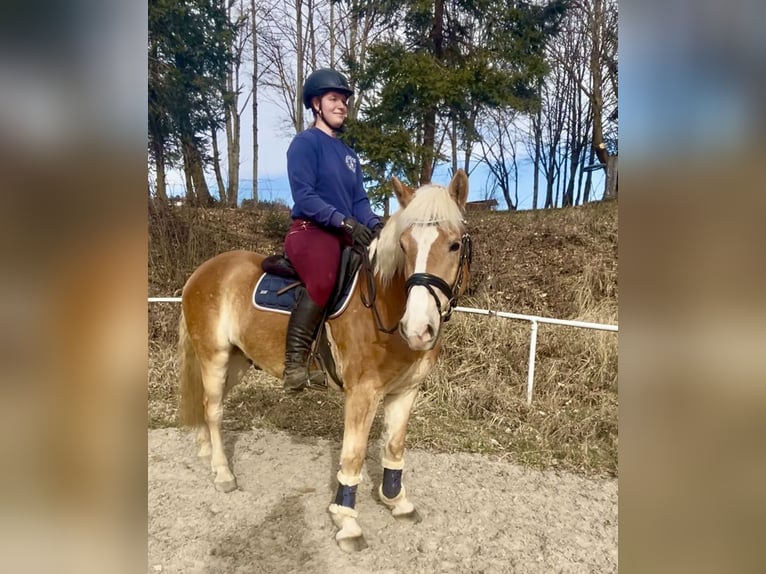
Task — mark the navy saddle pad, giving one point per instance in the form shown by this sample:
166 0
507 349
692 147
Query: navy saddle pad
266 296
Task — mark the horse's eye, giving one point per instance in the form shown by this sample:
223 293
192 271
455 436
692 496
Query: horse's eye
455 246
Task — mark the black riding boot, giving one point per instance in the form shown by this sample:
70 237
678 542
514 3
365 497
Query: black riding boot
301 329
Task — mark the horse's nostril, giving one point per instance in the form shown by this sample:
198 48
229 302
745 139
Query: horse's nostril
430 331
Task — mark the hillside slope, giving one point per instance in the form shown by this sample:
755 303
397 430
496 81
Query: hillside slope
530 262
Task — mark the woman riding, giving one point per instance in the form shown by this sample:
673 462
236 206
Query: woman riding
331 209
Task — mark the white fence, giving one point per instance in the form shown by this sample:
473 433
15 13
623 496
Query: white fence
533 320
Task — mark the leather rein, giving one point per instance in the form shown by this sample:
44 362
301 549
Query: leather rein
427 280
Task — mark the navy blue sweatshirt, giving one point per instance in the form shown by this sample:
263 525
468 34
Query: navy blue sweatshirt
326 181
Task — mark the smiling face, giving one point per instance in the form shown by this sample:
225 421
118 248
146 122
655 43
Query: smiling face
332 109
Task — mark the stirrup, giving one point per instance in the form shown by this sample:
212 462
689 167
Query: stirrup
315 380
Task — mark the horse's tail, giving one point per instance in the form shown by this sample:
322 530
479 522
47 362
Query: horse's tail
191 391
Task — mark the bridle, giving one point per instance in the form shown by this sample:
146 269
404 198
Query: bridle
430 281
427 280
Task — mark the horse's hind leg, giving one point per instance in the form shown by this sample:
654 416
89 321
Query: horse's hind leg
396 409
215 371
237 366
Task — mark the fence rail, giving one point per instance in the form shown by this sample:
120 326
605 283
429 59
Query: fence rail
532 319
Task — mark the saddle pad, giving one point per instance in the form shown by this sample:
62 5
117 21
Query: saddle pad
267 298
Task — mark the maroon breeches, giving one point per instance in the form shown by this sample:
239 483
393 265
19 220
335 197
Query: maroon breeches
315 253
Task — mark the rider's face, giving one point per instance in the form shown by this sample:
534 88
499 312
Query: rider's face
334 109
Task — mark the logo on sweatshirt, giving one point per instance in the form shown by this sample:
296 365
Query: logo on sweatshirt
351 163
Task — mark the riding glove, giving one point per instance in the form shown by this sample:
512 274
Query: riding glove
361 234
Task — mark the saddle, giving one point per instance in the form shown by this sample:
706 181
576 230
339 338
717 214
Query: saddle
276 291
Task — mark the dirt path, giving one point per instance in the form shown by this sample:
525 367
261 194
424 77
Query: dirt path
479 514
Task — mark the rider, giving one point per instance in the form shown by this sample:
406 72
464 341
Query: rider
331 210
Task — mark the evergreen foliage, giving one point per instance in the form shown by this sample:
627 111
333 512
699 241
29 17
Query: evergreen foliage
445 62
188 58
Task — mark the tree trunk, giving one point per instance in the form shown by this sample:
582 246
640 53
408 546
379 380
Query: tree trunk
575 121
159 165
333 41
453 142
429 138
538 135
195 175
299 66
311 32
217 166
611 178
599 147
429 119
191 194
589 177
232 192
255 106
515 183
549 201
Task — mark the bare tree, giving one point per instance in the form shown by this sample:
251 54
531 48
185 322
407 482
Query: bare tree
577 105
297 38
498 153
592 66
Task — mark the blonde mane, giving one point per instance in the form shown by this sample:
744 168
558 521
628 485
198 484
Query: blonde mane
431 205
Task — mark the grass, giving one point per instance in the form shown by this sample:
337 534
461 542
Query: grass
475 398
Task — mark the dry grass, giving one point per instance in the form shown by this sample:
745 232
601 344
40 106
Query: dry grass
559 264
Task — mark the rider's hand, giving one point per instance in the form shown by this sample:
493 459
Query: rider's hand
361 234
377 228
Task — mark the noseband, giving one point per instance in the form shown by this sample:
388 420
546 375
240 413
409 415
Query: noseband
430 281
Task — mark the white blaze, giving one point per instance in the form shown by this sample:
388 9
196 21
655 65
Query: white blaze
421 309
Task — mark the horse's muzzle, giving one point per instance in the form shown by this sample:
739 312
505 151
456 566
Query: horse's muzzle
422 338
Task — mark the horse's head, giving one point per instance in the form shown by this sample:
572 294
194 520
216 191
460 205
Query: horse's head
427 241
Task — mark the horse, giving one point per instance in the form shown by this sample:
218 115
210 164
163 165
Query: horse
383 345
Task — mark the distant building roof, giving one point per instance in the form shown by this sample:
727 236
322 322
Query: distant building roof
481 205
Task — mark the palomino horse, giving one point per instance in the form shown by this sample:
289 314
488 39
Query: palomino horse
421 265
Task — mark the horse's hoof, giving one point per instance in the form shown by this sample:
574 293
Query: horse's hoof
410 517
353 544
226 486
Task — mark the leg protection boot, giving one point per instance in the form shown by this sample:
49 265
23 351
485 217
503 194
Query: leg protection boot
301 329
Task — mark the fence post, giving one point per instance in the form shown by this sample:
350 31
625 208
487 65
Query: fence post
531 371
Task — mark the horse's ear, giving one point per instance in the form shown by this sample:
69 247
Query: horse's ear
458 188
404 193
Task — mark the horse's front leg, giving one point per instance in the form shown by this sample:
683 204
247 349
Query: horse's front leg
359 410
397 408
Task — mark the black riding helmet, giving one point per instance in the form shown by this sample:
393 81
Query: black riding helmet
322 81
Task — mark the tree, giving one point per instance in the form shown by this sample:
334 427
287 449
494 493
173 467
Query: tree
498 153
254 84
589 59
187 70
449 63
239 20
